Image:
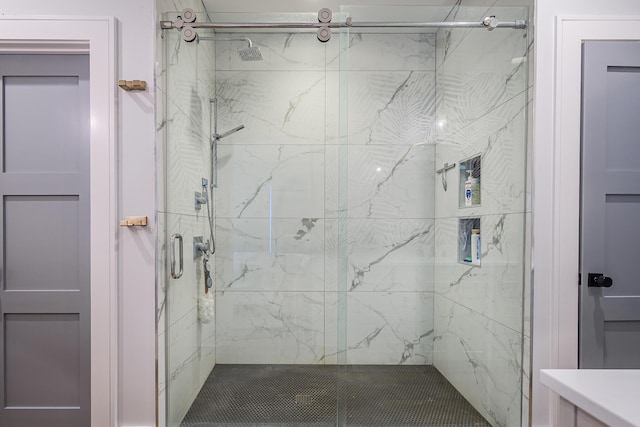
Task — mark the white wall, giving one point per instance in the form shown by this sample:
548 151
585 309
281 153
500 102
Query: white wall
547 342
135 115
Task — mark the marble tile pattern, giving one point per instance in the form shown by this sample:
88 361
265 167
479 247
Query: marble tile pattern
382 328
481 358
182 92
481 109
327 191
327 202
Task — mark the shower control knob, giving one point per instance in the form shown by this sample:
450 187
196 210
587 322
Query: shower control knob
325 15
324 34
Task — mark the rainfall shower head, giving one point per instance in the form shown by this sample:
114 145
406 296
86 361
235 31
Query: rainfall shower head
249 53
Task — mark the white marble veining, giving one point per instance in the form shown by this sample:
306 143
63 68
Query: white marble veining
499 138
187 163
383 181
327 199
448 39
281 188
386 51
270 255
392 255
267 181
495 289
269 327
390 107
186 127
183 87
382 327
190 360
481 110
465 93
481 358
276 107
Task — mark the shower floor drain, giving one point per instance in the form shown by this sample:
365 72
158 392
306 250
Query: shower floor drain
304 399
311 395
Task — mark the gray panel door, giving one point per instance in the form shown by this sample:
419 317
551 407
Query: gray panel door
44 259
610 211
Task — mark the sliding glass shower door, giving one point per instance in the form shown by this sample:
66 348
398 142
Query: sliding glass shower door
329 177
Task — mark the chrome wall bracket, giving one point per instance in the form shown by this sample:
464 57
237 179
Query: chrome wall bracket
199 200
199 247
443 172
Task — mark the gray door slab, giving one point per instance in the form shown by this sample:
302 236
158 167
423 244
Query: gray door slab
44 256
610 210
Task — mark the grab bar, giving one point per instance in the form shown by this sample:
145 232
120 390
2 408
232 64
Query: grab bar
173 256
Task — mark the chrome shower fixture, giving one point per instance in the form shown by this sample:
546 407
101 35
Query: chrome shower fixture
218 137
249 53
185 23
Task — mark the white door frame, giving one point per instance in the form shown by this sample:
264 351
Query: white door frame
95 36
556 304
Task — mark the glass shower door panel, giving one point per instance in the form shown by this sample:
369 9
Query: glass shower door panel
414 100
265 134
189 329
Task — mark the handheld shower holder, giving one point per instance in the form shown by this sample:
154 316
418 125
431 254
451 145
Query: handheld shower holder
199 247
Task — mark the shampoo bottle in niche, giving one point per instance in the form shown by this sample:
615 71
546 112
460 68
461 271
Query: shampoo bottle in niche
475 246
468 193
475 190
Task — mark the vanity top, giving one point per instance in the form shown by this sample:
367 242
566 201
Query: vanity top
611 395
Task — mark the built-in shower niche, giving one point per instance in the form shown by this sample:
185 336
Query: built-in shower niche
469 241
469 188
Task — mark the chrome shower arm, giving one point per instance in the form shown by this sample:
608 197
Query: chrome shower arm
218 137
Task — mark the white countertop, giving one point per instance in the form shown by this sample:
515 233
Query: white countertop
611 395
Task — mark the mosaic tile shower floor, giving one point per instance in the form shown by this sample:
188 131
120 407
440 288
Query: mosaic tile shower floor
310 395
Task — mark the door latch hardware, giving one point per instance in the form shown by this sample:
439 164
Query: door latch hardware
599 280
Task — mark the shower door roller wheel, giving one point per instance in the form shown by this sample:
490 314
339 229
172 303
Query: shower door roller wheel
188 33
325 15
324 34
188 15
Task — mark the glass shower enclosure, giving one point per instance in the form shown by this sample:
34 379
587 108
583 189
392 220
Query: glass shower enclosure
354 202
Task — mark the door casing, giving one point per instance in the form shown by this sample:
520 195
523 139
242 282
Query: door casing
95 36
556 210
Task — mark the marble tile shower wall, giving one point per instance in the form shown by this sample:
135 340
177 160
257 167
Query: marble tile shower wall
183 90
277 201
481 110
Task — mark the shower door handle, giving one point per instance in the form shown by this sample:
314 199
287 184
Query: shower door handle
177 237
